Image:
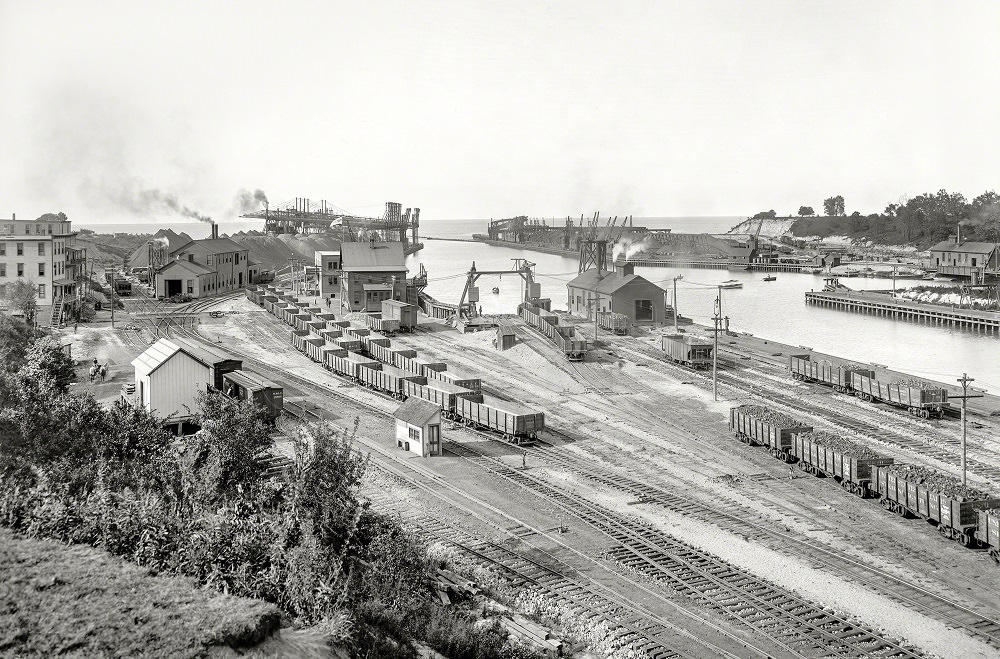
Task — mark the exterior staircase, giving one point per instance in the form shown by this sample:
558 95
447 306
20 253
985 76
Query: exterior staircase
57 309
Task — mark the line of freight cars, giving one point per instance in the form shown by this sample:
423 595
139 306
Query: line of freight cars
368 357
918 398
564 336
963 514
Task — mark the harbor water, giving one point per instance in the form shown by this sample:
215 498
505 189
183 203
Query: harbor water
768 309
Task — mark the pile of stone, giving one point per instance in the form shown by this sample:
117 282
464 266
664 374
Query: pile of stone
769 416
842 444
944 484
916 384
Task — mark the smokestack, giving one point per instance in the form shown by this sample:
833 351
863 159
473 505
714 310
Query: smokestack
215 230
958 236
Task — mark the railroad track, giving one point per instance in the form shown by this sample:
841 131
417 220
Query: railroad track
740 522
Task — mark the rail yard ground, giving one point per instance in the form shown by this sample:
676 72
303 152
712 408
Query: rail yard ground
638 507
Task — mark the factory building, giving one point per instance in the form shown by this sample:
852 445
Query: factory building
328 270
201 268
621 291
371 272
44 252
964 258
171 373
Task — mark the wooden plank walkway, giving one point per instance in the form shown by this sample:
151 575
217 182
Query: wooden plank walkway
881 304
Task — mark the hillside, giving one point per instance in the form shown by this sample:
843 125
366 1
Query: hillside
772 228
60 599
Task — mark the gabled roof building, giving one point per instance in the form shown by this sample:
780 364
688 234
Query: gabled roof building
964 258
372 272
621 291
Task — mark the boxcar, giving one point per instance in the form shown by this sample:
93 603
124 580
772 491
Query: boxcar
988 531
923 402
854 473
390 379
618 323
955 518
299 340
777 437
457 378
444 394
516 423
251 387
688 350
405 314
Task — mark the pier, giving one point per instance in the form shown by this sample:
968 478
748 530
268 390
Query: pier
881 304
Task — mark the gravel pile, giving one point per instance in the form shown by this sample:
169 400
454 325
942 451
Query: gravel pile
842 444
916 384
769 416
944 484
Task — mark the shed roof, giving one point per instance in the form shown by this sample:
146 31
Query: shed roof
250 381
968 247
604 281
209 354
159 354
210 246
416 411
193 267
377 287
505 330
372 257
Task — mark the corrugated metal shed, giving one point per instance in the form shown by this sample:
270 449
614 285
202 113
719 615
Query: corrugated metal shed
372 257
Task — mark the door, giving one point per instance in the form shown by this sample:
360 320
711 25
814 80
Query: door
239 277
434 439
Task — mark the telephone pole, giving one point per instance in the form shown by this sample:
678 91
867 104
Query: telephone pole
964 381
675 301
113 291
715 351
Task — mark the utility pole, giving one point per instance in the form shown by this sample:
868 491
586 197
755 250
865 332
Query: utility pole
597 302
112 296
964 381
675 301
715 351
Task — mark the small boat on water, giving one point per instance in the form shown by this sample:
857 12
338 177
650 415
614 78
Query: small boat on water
496 290
770 278
731 283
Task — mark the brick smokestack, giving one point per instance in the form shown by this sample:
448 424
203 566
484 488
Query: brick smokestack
215 230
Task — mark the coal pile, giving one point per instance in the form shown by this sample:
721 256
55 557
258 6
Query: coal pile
917 384
842 444
769 416
944 484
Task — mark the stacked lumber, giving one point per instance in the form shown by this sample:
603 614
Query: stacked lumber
769 416
942 483
841 444
533 633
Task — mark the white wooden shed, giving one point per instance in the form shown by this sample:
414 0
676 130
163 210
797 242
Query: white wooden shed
418 427
168 379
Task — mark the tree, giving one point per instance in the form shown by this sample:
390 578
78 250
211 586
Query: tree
22 294
806 210
833 206
765 215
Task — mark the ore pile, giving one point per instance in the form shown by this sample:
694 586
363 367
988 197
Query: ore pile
769 416
916 384
944 484
842 444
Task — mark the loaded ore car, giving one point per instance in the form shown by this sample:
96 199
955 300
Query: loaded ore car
837 376
988 531
441 393
919 398
758 425
457 378
252 387
421 365
823 454
390 379
939 498
688 350
617 323
516 423
353 363
330 352
401 312
400 355
376 322
314 348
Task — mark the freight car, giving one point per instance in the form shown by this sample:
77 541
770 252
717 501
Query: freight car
837 376
353 364
920 400
248 386
688 350
849 463
377 323
390 379
756 425
457 378
907 490
617 323
516 423
443 394
563 336
405 314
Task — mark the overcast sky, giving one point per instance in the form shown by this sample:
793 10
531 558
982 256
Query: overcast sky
492 109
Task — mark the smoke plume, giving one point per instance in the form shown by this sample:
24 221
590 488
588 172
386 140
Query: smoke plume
247 202
628 247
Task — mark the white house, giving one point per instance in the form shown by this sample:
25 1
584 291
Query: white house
418 427
171 373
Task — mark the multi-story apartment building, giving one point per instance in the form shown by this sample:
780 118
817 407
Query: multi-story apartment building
44 252
328 271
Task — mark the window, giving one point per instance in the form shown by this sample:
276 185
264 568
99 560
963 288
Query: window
3 249
209 261
414 434
20 269
3 269
190 286
20 249
41 249
41 291
50 229
41 269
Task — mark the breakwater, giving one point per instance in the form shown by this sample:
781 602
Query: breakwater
882 304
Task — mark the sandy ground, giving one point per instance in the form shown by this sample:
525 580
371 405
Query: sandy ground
629 413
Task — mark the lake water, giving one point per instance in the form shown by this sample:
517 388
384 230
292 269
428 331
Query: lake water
775 310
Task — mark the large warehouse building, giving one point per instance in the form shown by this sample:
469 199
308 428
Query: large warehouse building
621 291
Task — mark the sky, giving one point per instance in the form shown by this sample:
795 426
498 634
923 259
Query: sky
126 111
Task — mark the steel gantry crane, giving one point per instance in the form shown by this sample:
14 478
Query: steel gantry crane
522 267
